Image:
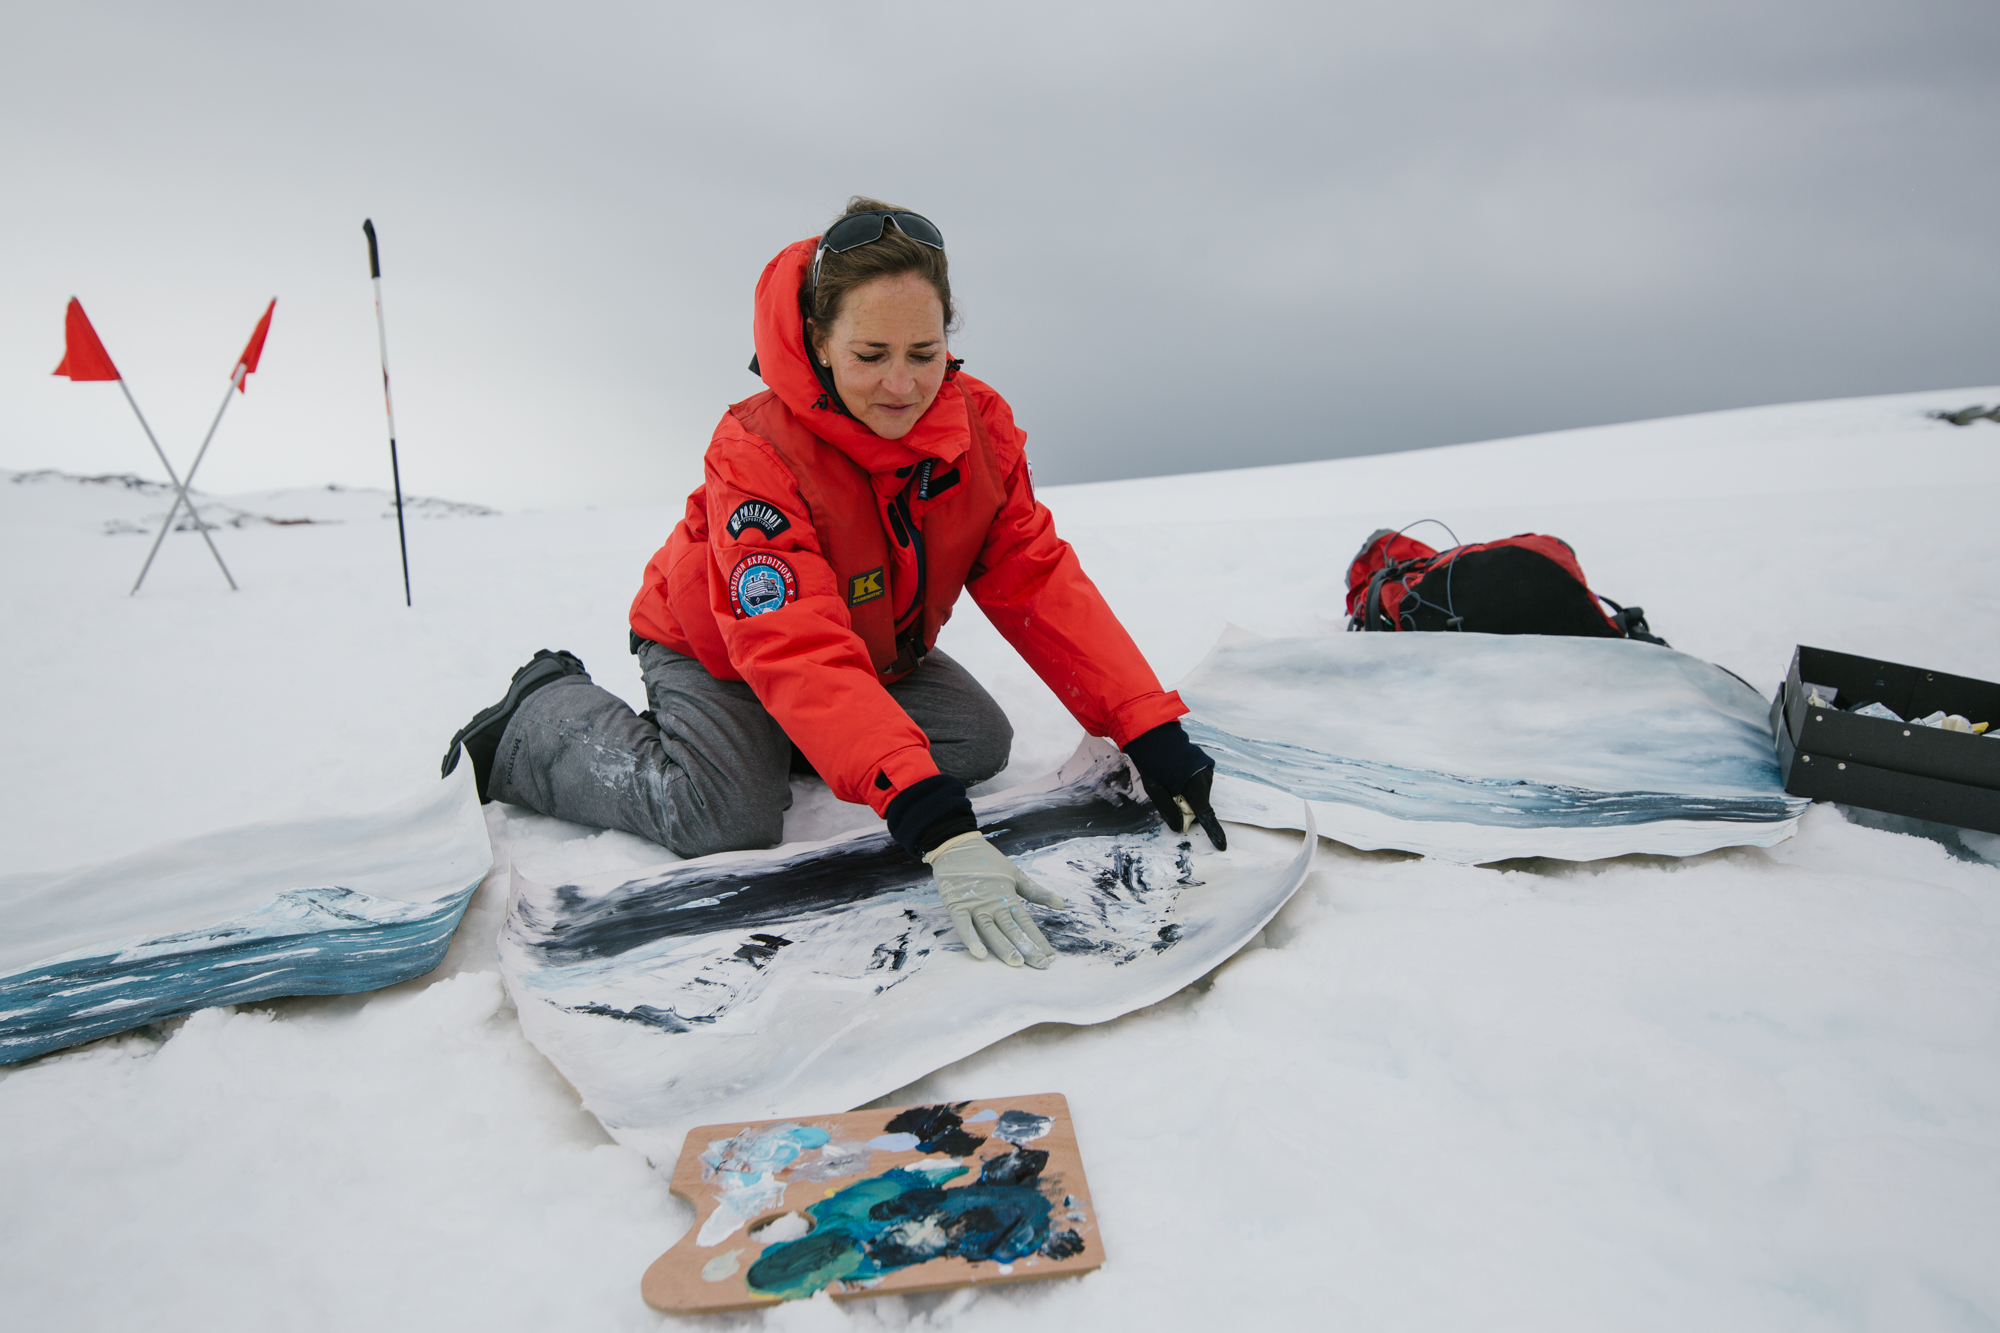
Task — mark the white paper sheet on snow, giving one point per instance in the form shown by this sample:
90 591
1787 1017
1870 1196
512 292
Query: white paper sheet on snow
751 985
326 906
1481 747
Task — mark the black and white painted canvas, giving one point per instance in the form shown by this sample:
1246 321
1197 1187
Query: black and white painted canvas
753 985
1481 747
327 906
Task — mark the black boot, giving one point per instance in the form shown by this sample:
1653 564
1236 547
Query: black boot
481 736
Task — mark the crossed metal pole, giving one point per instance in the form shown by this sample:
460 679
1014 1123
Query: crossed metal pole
181 496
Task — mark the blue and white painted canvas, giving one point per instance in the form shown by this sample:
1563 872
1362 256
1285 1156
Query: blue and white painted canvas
755 985
325 906
1482 747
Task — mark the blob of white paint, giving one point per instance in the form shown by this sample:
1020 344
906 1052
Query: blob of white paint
744 1169
783 1227
835 1161
721 1266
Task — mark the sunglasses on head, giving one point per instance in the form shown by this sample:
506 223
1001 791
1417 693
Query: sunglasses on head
862 228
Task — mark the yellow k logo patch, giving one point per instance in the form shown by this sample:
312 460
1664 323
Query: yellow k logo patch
865 587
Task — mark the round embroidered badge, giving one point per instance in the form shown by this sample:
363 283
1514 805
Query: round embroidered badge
760 583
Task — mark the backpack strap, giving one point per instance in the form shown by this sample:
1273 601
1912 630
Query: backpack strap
1631 621
1371 607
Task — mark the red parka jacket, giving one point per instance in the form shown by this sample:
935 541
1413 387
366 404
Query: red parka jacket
818 562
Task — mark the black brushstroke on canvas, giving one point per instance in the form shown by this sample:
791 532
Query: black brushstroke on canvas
664 1019
699 899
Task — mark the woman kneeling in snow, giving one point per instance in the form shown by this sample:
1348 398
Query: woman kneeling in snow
798 603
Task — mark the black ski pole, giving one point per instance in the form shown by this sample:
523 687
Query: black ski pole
382 338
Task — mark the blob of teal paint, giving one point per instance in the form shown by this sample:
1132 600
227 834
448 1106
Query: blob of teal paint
903 1217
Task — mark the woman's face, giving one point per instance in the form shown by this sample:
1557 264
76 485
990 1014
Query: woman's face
886 349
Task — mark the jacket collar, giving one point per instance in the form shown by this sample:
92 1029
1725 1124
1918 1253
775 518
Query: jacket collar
942 432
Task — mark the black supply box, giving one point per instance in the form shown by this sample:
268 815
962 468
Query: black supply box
1829 754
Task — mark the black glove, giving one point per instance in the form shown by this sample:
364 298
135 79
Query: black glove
928 813
1177 774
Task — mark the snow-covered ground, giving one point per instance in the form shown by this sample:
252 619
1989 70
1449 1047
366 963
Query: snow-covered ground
1748 1090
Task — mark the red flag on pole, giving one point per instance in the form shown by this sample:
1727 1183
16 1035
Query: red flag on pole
84 357
254 349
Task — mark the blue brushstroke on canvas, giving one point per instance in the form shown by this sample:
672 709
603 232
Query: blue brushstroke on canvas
1483 746
1412 793
328 906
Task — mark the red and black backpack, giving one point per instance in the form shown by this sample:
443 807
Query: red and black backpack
1529 584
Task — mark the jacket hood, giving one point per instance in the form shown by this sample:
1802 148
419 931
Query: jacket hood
943 431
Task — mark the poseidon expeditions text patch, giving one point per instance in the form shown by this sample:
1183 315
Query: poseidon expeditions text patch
760 583
765 517
865 587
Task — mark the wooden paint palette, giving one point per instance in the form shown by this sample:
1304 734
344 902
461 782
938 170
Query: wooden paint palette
911 1198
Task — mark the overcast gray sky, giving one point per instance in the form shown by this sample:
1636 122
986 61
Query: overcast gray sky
1184 236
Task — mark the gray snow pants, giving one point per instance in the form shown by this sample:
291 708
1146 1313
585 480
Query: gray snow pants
710 769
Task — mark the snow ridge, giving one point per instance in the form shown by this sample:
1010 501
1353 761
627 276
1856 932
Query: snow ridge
296 507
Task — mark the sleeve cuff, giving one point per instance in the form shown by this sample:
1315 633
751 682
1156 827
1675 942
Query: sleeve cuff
891 776
1145 714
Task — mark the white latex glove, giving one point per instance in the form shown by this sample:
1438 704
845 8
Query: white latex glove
983 889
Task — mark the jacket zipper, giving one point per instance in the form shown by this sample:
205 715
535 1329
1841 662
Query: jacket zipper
906 533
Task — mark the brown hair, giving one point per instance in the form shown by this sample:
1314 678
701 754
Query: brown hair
894 254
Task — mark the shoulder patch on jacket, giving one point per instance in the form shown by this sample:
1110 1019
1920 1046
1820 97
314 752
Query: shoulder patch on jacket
765 517
760 583
865 587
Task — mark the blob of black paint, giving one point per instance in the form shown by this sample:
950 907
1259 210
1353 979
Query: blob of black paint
1063 1244
762 948
1018 1167
938 1129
